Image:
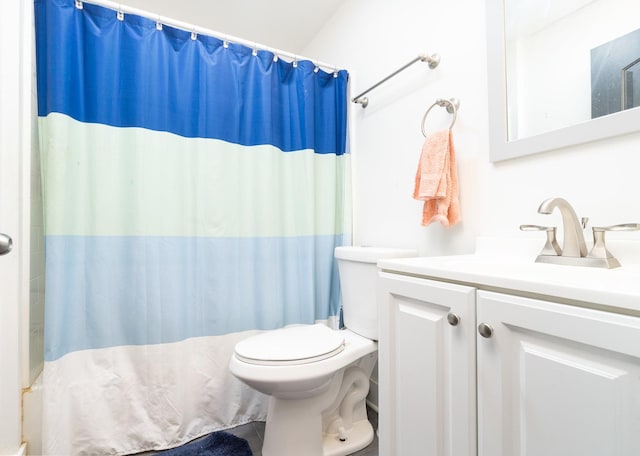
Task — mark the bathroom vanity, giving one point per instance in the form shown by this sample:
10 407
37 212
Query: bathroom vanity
493 354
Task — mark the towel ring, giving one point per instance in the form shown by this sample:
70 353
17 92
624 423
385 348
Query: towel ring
452 105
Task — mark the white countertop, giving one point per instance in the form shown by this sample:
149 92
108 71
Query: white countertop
509 264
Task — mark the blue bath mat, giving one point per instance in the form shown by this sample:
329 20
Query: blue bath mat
217 444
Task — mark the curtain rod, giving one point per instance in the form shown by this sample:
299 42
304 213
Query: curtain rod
122 9
432 60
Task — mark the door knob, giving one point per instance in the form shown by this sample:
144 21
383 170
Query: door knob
6 244
485 330
453 319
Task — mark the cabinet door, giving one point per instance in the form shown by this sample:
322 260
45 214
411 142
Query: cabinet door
426 373
557 380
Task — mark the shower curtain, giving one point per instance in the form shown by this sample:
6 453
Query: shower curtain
194 191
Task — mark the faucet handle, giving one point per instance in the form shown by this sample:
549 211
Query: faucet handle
599 249
536 228
551 247
621 227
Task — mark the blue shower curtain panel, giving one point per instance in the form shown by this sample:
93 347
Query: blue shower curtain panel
194 191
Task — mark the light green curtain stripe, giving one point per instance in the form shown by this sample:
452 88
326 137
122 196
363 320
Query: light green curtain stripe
101 180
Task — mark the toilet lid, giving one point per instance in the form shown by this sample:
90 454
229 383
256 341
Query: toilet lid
292 345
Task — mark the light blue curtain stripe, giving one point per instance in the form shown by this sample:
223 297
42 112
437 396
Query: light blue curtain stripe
121 303
96 68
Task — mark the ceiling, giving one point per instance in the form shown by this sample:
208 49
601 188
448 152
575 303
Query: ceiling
287 25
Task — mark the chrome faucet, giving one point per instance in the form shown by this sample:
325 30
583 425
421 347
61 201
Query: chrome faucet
574 244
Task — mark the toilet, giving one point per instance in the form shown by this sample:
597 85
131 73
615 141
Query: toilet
317 378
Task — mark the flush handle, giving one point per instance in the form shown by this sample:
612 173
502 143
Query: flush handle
453 319
485 330
6 244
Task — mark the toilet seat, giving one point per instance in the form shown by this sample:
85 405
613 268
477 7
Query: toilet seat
290 346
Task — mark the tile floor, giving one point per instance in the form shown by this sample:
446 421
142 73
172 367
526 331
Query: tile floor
254 432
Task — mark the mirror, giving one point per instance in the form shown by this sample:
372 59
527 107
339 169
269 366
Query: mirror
561 73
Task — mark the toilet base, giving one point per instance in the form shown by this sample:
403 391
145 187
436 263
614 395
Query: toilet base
292 428
297 432
295 427
358 437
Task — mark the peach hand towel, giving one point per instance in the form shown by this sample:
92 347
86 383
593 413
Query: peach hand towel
437 180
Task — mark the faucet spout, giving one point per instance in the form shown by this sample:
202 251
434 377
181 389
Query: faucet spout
574 244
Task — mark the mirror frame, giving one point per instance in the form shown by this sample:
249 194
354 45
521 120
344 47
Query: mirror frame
500 148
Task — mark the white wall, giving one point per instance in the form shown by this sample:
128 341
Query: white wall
372 38
33 291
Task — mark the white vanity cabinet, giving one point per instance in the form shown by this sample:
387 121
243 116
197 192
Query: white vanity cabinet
524 372
426 367
556 380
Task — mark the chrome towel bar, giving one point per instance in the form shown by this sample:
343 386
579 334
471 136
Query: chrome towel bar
432 60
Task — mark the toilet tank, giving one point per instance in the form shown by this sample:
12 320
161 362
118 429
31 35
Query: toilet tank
358 277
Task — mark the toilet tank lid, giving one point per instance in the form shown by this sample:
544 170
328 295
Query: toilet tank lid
368 254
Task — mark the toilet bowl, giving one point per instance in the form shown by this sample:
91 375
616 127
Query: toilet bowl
318 378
